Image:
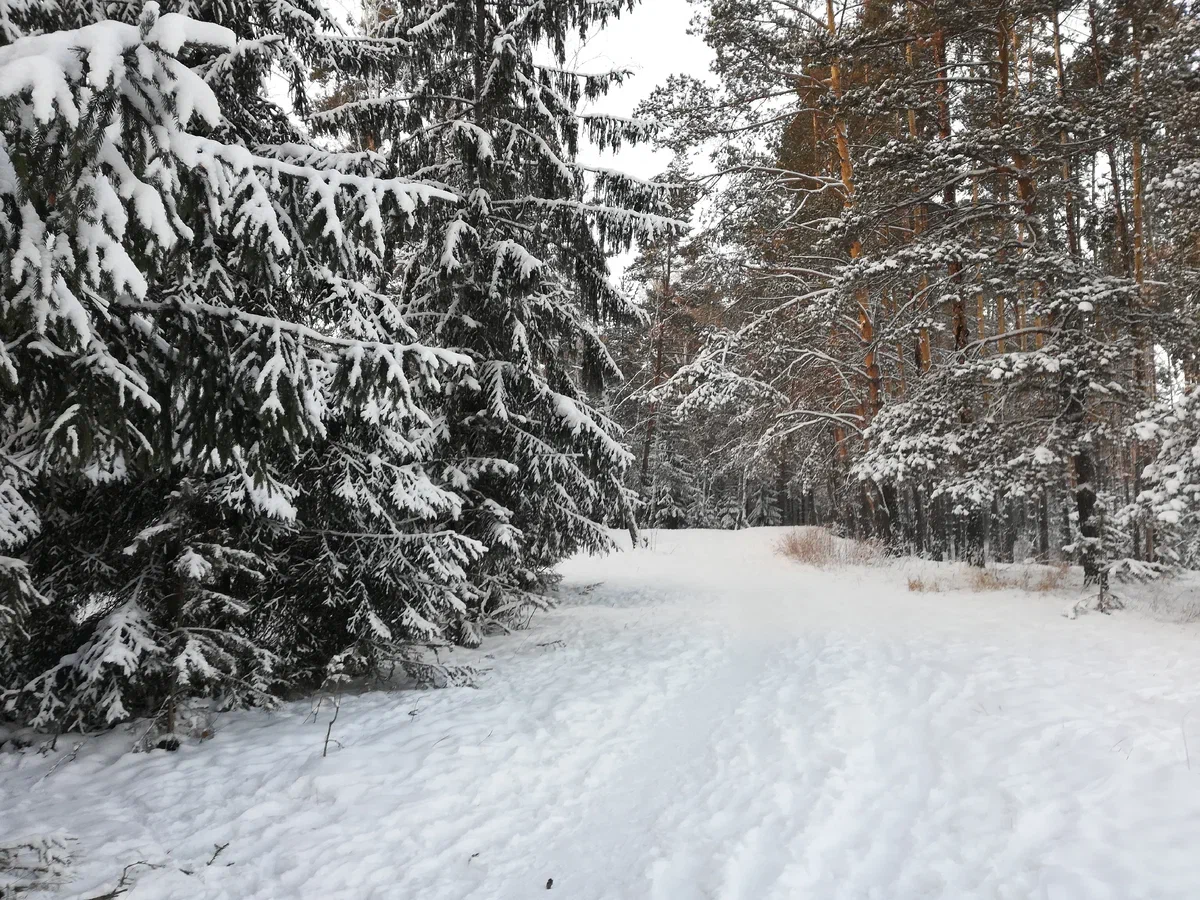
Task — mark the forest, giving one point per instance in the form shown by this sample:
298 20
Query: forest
942 289
315 362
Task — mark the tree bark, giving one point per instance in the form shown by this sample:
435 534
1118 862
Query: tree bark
866 328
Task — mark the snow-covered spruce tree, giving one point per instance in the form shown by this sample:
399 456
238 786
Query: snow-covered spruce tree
195 315
516 277
375 574
765 507
1171 496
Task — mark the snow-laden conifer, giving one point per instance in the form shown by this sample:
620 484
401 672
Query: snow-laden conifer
197 314
515 276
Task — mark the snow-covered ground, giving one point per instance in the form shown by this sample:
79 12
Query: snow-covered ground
699 719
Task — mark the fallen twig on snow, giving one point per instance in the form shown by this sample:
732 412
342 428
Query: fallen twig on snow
217 852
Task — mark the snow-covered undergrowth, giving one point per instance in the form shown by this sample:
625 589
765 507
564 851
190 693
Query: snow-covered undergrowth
1175 598
700 718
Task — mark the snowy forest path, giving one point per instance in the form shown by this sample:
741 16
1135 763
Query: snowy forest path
697 719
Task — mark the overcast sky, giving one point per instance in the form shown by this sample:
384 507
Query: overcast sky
653 42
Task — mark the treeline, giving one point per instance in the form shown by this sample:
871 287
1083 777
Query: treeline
295 389
944 292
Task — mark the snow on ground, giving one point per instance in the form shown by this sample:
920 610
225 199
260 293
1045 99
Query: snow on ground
698 719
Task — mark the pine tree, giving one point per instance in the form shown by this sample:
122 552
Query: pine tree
938 313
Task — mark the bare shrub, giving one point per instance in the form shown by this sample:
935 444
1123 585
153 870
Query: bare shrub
811 546
920 585
1035 579
1038 580
821 548
989 580
1051 579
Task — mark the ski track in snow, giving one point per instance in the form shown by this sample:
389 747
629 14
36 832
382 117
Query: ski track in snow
716 723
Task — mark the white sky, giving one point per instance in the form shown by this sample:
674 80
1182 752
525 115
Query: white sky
653 42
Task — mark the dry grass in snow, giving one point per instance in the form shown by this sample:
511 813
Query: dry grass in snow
1029 577
819 547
